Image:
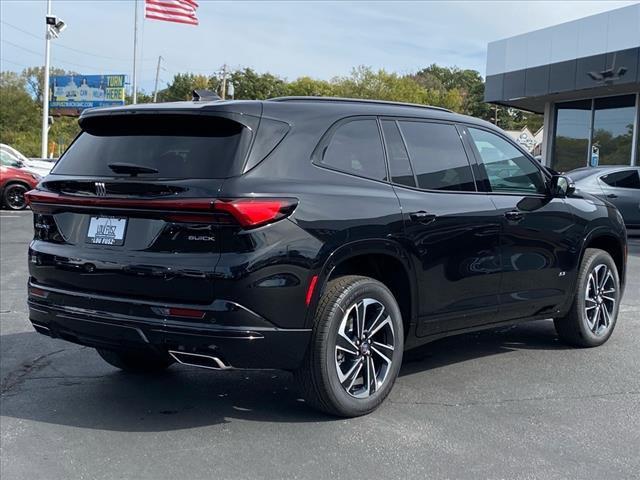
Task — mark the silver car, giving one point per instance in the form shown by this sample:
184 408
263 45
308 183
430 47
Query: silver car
618 184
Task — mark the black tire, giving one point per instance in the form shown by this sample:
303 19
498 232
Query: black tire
135 362
318 375
13 196
576 328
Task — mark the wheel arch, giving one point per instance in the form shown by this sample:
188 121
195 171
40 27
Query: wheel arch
373 258
610 242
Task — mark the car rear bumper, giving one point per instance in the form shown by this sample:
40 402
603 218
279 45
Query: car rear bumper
236 336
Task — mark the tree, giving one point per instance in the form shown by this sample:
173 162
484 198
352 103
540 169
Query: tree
250 85
34 78
62 133
182 87
364 82
307 86
468 84
460 90
19 115
142 97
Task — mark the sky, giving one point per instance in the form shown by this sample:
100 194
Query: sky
287 38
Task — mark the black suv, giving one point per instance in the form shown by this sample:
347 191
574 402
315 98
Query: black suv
320 236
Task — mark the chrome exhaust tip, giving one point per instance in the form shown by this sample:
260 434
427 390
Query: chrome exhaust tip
199 360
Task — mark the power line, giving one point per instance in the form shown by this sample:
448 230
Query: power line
84 52
3 60
39 54
21 47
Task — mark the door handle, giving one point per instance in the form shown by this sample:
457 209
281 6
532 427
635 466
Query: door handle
514 215
422 217
612 195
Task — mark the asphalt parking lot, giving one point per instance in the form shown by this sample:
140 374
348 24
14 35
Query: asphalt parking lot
505 403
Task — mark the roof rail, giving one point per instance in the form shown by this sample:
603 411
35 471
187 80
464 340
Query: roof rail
354 100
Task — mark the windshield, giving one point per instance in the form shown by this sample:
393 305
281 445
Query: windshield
9 161
166 146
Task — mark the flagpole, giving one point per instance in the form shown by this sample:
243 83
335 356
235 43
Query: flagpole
134 94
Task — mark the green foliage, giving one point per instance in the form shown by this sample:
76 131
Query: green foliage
62 133
450 87
251 85
310 87
34 79
19 115
182 87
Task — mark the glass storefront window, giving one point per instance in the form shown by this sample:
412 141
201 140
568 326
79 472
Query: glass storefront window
637 162
573 124
594 132
613 121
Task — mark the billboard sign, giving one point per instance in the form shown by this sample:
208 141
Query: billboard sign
70 94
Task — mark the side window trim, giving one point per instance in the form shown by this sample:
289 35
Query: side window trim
386 151
545 174
479 174
471 160
325 140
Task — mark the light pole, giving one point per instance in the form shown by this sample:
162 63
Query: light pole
134 80
54 26
45 87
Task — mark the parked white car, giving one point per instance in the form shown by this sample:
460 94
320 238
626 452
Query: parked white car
17 159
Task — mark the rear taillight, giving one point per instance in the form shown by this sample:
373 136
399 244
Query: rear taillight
253 212
248 212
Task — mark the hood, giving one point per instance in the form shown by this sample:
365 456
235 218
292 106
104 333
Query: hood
41 167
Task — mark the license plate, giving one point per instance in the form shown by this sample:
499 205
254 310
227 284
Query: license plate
106 230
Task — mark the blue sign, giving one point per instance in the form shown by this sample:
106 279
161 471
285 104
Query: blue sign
77 92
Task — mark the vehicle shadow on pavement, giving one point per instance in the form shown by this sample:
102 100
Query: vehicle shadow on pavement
73 387
76 388
538 335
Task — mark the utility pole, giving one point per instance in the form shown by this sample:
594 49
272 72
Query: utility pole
45 89
224 82
495 118
155 88
134 94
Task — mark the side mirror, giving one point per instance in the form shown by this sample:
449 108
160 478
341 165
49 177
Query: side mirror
561 186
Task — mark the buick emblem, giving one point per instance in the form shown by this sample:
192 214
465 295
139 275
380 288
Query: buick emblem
101 190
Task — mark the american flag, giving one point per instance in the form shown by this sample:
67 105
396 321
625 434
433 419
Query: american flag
180 11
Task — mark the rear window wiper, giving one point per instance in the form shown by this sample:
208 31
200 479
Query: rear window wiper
130 168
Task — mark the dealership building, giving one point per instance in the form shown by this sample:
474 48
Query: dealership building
584 76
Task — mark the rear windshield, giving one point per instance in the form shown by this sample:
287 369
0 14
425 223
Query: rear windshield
177 146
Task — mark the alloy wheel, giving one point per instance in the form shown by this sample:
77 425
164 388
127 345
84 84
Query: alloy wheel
364 348
14 197
600 300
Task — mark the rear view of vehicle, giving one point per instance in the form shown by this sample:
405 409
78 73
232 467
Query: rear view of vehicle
129 232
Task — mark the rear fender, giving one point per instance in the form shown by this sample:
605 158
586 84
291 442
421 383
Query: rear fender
358 248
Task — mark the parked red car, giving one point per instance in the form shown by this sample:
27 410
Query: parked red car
14 183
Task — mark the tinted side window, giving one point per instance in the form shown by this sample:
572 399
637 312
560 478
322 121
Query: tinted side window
623 179
437 156
399 165
356 147
508 169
